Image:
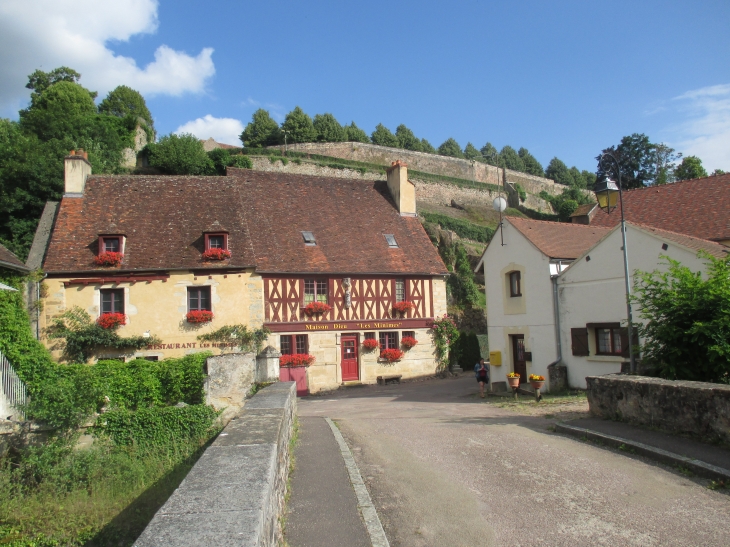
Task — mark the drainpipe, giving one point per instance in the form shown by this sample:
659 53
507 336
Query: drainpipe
556 311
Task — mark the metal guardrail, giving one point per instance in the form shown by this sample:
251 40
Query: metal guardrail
13 393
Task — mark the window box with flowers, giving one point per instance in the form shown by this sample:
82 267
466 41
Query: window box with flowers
316 308
391 355
111 320
199 316
108 259
296 360
370 344
216 254
408 342
403 307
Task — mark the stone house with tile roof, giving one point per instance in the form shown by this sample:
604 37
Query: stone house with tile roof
555 293
253 248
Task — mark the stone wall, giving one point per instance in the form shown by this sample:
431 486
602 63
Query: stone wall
693 408
234 494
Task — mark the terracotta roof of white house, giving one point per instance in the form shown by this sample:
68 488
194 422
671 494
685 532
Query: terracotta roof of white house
559 239
689 242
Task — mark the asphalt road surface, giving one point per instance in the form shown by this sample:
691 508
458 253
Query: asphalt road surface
445 469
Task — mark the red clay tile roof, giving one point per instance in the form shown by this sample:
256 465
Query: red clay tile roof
9 260
693 243
699 208
559 239
583 210
164 217
348 219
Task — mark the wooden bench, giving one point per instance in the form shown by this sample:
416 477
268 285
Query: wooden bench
392 379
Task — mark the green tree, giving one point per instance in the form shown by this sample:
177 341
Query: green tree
450 148
577 177
427 147
384 137
180 155
39 81
566 208
299 126
687 330
406 139
532 166
690 168
328 128
61 110
491 155
355 134
664 159
636 158
511 159
261 131
717 172
589 179
471 152
558 171
124 101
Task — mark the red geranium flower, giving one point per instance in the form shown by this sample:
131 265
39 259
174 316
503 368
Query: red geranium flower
408 342
403 307
111 320
370 344
296 360
199 316
216 254
108 259
316 307
391 355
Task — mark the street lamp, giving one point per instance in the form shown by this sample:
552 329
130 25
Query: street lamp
608 193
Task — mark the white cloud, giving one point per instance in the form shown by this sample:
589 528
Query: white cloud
50 33
706 131
225 130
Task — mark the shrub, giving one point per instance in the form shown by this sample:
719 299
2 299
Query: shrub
180 155
244 339
242 162
463 228
521 192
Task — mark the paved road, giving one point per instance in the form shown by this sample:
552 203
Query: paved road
445 469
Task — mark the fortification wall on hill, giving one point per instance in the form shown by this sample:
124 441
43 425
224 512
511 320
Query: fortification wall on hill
419 161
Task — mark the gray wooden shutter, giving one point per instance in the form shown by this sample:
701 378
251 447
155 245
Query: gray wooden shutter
579 341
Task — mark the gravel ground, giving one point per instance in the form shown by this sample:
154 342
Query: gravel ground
445 468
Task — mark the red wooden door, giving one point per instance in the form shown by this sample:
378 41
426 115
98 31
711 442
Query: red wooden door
349 358
518 355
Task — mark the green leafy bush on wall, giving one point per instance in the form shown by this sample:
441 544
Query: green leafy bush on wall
463 228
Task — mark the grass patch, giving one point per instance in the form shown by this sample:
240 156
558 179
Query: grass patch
685 471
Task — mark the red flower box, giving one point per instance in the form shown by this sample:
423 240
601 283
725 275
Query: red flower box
296 360
316 308
370 344
391 355
216 254
403 307
408 342
108 259
199 316
111 320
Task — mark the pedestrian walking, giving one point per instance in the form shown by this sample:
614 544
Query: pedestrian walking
482 373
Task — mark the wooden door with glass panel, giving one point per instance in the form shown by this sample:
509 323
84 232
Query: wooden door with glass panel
518 356
350 370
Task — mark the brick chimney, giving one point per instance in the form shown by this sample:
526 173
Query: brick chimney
76 169
402 190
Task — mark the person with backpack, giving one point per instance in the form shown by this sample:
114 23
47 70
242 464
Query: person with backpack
482 373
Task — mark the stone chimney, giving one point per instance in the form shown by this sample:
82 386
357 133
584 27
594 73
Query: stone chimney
76 169
402 190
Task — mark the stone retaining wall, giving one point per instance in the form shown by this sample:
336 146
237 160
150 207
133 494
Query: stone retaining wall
234 495
694 408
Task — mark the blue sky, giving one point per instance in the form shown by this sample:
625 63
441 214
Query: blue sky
562 79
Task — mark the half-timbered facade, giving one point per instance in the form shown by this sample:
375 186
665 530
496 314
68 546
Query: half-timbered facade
254 248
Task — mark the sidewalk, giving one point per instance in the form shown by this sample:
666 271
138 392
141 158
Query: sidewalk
323 508
670 449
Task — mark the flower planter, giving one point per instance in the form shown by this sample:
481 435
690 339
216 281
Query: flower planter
391 355
216 254
199 316
537 384
370 344
109 259
296 360
402 308
316 308
111 320
408 342
513 382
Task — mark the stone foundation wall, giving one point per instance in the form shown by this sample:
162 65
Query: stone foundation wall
234 494
694 408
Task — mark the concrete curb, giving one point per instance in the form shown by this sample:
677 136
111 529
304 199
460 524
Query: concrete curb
364 503
698 467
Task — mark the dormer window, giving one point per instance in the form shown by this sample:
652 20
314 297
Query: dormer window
111 245
309 239
111 250
216 241
392 243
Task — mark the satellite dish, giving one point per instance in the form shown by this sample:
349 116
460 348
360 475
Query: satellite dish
499 204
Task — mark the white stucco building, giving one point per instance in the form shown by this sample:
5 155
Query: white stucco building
555 293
